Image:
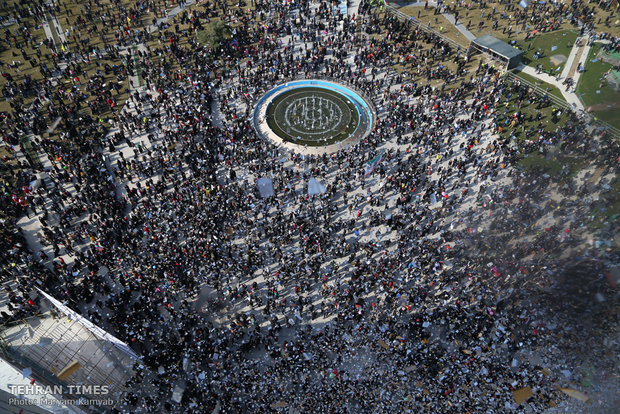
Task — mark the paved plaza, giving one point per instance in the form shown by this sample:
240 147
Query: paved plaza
378 244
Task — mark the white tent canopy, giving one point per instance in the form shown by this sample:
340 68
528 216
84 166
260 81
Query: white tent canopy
265 187
315 187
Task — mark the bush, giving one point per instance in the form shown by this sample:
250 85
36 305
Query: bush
214 34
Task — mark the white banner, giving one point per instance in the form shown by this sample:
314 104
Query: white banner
97 331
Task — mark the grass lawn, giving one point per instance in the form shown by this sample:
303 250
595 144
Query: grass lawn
411 74
68 18
480 21
609 20
436 22
6 156
159 41
612 198
562 41
530 111
22 67
95 34
559 166
597 96
610 208
553 165
536 161
409 69
552 90
530 108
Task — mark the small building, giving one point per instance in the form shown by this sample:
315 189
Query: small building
497 50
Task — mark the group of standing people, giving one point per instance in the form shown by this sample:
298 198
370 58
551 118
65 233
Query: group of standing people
413 287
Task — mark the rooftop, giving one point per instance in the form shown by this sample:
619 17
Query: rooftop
497 46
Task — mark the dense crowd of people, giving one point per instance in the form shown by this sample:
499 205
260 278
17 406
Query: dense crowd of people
420 286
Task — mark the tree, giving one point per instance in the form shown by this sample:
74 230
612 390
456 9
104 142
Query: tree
215 34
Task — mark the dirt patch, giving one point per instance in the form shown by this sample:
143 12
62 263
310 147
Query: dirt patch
557 60
603 106
573 68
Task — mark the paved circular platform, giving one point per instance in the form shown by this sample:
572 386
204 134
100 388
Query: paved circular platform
313 116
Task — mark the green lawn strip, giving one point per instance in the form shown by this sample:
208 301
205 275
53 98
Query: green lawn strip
612 197
400 66
608 208
5 106
70 12
552 90
599 98
564 40
91 68
471 14
29 151
411 67
535 161
527 129
609 19
10 156
557 166
13 54
68 18
39 35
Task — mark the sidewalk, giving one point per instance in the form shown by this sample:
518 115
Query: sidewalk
449 17
169 15
570 97
578 54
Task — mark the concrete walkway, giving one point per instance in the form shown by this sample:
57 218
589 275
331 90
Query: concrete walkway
570 96
449 17
53 31
571 58
579 54
460 26
169 15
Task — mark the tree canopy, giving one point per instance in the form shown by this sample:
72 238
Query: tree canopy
215 34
